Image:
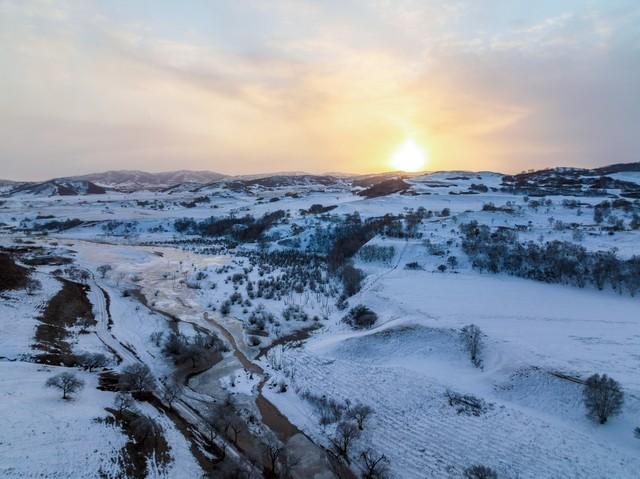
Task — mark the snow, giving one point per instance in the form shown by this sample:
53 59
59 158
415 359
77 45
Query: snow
631 176
43 435
18 313
535 426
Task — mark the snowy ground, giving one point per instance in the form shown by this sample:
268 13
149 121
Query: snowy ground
43 435
534 425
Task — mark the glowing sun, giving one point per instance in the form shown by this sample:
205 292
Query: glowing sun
408 156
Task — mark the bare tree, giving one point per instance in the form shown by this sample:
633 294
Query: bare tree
272 454
472 337
223 417
92 361
359 413
277 463
212 421
603 397
374 466
123 402
234 428
171 392
346 433
480 472
136 377
144 428
103 269
68 383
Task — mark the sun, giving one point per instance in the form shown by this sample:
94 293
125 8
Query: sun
408 156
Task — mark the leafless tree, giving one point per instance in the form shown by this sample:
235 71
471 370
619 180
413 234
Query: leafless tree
92 361
272 455
103 269
212 422
277 463
472 337
234 428
603 397
171 392
359 413
346 433
123 402
144 428
68 383
136 377
374 466
223 417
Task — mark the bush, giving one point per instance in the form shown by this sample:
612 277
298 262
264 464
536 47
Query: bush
360 317
603 397
467 404
351 279
295 312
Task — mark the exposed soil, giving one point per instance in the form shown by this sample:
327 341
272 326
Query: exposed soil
12 276
140 448
47 261
68 308
300 335
172 321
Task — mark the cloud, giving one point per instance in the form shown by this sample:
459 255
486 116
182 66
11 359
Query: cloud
314 86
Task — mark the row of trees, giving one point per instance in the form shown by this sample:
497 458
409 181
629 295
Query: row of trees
243 229
499 251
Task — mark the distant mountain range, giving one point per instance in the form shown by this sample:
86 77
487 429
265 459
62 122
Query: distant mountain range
187 180
133 180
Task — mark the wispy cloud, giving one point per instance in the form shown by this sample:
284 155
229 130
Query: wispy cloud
239 87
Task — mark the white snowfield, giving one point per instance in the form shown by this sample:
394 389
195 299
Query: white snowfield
43 435
540 340
536 426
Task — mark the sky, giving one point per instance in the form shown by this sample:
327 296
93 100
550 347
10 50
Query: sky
253 86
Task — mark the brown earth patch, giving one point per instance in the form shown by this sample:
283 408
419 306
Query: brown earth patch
142 446
47 261
69 307
12 276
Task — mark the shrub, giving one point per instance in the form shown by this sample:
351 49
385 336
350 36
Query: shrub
371 253
351 279
603 397
360 317
294 312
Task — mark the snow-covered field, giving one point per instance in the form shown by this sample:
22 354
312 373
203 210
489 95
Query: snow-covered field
540 340
43 435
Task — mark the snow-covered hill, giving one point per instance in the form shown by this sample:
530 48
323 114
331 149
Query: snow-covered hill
132 180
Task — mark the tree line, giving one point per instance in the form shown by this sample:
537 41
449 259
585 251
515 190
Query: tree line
500 251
